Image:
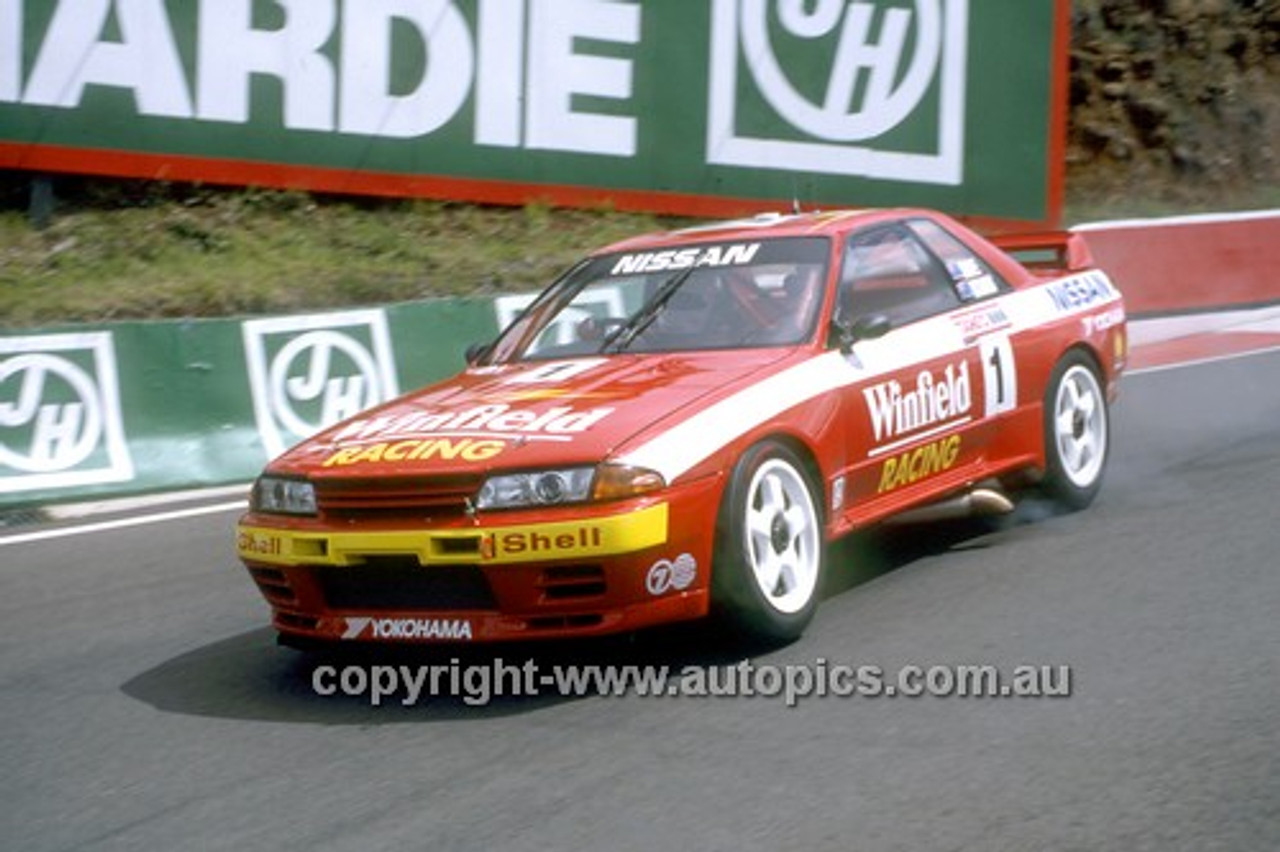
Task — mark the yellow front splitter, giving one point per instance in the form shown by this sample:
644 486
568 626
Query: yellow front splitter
585 538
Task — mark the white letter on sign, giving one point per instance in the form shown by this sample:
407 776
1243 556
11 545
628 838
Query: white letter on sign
557 74
10 50
231 50
368 108
500 83
144 60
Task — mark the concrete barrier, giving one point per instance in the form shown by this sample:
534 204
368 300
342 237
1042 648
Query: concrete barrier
1191 263
135 407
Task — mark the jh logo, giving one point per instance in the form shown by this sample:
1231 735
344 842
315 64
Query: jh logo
60 419
307 373
871 88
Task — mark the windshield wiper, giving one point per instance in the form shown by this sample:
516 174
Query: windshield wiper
624 335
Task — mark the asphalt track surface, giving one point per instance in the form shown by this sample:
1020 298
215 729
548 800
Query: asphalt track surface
144 706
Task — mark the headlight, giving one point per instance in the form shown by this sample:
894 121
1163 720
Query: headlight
284 496
536 488
566 485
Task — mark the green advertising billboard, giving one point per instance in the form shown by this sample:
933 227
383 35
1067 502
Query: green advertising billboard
703 107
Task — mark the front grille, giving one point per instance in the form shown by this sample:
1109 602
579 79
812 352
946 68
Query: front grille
418 497
401 584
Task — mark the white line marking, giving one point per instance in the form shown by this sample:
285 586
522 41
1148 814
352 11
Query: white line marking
1235 356
122 523
122 505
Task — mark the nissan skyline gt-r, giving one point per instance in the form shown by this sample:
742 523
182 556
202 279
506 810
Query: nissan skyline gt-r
681 424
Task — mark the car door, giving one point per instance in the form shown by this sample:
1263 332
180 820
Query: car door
987 333
912 415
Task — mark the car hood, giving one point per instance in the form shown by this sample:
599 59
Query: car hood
529 415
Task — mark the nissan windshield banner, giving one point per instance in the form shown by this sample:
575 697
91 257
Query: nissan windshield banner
699 107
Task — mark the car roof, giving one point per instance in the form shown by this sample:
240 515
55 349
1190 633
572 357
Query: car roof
769 226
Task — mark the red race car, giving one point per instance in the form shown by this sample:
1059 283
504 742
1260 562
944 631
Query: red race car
681 424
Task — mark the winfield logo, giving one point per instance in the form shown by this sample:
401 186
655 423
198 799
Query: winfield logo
849 87
307 373
558 423
60 421
935 404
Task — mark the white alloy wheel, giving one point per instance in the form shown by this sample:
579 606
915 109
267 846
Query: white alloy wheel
1080 426
784 542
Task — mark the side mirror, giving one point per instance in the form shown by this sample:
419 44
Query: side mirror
475 352
868 327
871 327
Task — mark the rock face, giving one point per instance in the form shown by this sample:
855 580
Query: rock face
1176 98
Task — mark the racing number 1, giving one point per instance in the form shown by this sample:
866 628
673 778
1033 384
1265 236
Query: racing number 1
999 373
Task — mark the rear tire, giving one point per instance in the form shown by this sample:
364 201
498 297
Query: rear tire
1077 432
768 564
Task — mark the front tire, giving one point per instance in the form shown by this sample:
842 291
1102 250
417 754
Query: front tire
769 557
1077 432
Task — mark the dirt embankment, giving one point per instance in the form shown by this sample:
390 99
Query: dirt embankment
1176 99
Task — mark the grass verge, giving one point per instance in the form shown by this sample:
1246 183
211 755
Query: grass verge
127 250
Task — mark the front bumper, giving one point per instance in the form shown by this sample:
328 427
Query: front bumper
575 571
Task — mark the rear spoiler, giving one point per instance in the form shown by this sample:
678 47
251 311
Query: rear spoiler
1049 253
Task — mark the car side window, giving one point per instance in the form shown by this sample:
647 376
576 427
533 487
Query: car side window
887 270
970 275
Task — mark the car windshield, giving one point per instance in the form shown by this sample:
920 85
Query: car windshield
723 295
